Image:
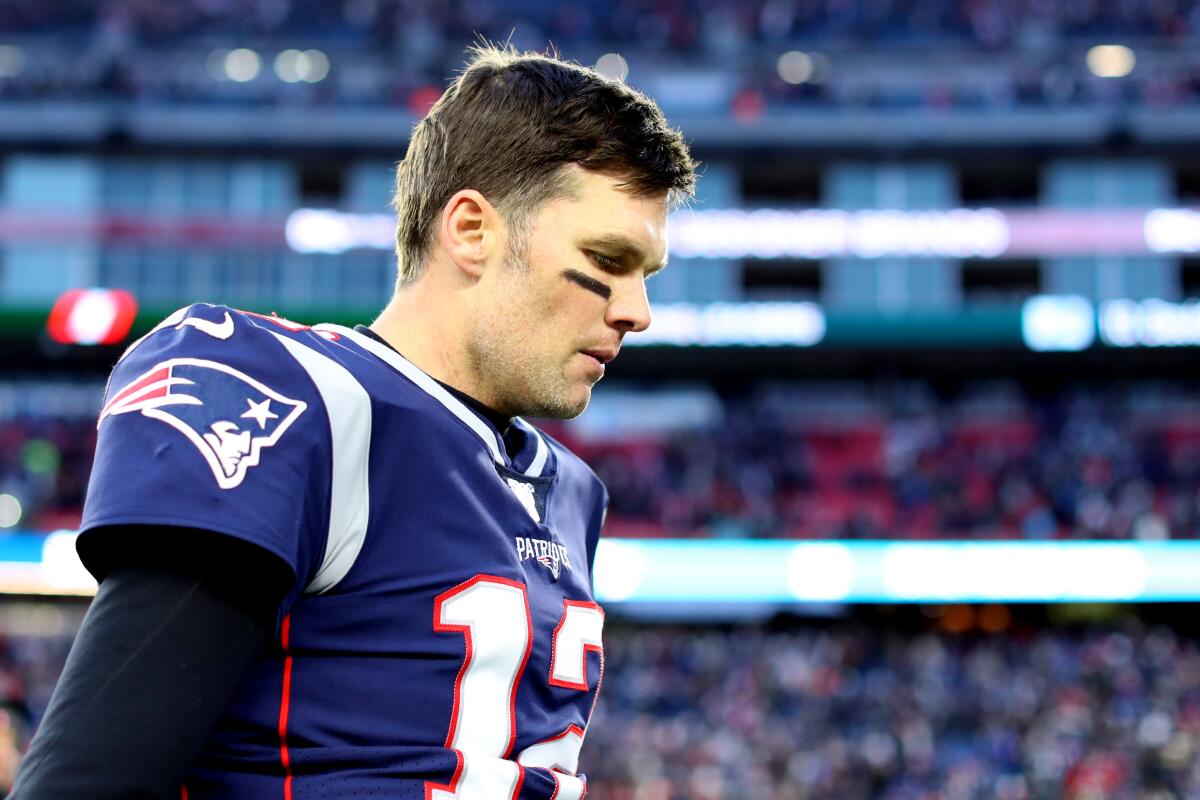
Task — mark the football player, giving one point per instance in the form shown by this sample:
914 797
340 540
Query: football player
337 562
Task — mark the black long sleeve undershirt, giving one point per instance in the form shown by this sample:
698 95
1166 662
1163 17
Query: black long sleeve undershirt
180 617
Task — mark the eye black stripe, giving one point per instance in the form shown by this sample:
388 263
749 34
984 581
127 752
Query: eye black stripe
587 282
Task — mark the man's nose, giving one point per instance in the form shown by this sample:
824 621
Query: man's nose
629 307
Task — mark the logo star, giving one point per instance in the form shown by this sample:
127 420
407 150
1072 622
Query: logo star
260 412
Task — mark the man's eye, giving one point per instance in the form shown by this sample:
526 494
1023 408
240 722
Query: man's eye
606 263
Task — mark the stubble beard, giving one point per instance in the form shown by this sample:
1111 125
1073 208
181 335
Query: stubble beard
520 382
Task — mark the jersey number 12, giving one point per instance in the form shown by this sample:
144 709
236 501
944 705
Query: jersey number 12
493 616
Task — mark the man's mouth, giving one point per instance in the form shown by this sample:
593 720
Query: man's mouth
601 354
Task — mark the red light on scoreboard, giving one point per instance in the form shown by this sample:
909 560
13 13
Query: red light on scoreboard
92 316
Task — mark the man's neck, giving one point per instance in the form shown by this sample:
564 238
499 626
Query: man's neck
502 422
424 321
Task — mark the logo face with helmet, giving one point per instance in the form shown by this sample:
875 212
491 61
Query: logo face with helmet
227 415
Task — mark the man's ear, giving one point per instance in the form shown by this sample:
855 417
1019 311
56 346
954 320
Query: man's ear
469 230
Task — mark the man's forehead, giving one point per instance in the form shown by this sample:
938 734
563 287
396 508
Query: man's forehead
603 212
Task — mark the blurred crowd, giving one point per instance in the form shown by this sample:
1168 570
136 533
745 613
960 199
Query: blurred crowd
851 460
44 466
858 713
986 710
856 461
395 52
34 641
680 24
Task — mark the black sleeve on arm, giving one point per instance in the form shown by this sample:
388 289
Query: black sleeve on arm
180 617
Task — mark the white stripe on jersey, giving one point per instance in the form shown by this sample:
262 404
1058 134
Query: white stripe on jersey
348 407
543 452
428 384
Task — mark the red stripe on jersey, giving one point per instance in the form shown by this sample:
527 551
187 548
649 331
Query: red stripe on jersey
140 383
284 703
287 324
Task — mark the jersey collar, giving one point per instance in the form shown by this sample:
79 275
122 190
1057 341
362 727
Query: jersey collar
535 448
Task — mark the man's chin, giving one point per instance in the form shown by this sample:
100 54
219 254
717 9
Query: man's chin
567 406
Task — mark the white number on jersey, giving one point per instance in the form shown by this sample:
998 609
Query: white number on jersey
493 616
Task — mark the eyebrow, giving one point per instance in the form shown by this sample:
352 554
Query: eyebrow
622 246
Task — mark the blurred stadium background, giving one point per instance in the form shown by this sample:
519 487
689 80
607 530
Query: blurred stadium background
905 478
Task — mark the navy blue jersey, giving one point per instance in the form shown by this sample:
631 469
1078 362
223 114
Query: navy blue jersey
441 639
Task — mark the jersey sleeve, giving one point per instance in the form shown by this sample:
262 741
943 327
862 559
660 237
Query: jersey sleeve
208 423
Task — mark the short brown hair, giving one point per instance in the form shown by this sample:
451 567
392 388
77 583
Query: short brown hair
508 126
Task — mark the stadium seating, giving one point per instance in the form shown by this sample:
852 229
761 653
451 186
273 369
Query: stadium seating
858 712
163 53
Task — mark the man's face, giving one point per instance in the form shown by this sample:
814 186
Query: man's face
557 312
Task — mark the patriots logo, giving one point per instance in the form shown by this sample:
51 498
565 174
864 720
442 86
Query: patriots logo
226 414
550 564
